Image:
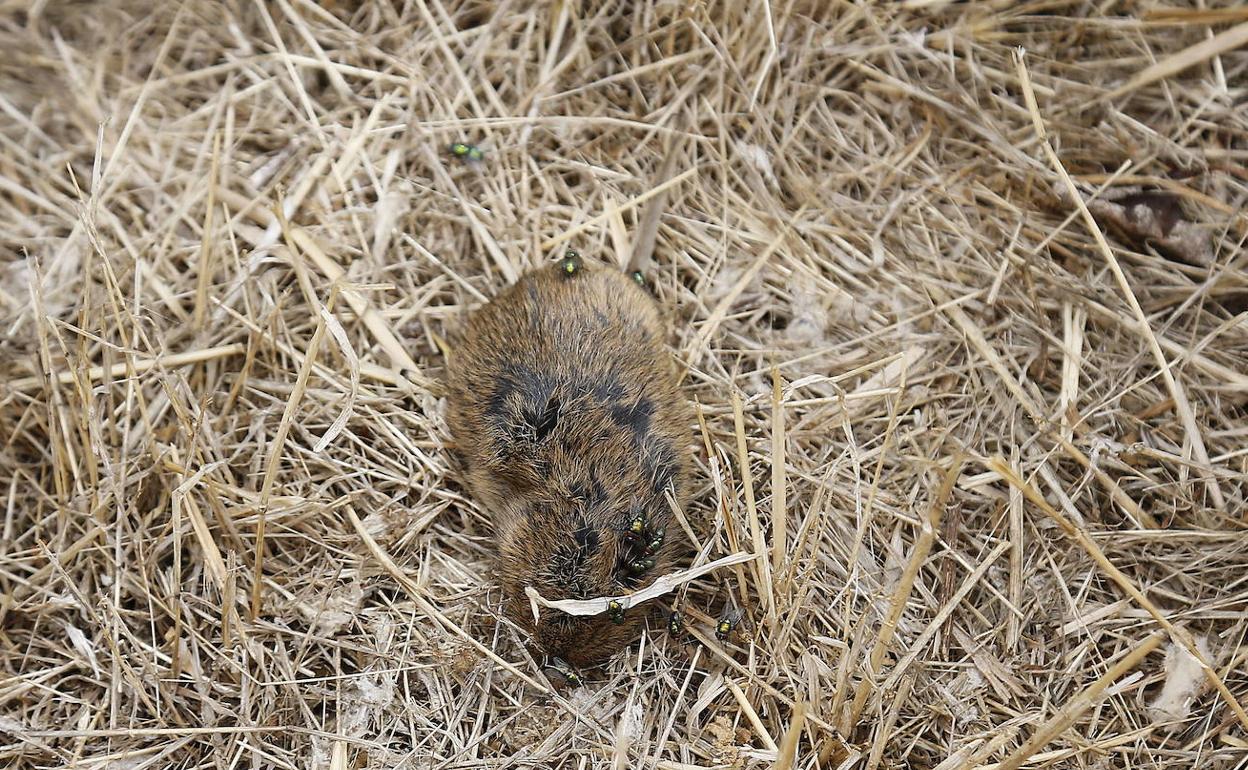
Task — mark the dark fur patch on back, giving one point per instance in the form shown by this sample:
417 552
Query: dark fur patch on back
608 390
516 380
587 538
598 492
523 403
589 496
635 417
545 422
523 396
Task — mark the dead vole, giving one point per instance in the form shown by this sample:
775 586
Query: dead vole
563 406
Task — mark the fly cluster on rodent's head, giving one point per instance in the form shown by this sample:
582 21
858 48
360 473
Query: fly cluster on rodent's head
641 543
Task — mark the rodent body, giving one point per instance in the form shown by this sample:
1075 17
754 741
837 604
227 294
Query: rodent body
563 404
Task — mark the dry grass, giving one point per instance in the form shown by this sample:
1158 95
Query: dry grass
989 521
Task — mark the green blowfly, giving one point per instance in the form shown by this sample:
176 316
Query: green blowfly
467 151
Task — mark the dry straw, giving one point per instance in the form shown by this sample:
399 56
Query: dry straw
982 440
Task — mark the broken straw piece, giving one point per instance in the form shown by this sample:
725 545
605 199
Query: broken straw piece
663 585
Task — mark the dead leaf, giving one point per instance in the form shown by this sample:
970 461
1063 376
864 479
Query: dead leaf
1153 217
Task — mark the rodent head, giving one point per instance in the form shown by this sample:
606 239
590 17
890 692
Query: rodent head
579 541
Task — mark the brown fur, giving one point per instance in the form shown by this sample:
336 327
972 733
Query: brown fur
563 405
